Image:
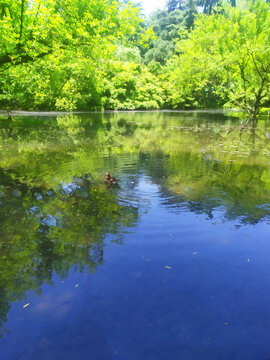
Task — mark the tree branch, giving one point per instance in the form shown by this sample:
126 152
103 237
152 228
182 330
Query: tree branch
22 59
21 25
258 71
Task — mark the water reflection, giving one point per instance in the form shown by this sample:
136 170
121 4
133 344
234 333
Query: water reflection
56 211
49 229
205 185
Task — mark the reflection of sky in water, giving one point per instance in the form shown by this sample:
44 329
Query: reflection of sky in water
179 288
173 264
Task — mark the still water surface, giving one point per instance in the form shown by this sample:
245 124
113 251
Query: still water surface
172 264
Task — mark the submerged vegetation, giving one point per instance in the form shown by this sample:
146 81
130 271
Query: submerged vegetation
88 55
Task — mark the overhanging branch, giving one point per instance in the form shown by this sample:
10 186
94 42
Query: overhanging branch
22 59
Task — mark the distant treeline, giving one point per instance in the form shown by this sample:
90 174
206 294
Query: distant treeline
104 54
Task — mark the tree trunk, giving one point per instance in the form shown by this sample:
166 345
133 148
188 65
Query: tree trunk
22 12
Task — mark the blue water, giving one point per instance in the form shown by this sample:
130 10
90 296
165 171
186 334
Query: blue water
181 287
177 282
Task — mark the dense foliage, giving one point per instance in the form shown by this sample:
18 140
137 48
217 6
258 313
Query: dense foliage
225 60
103 54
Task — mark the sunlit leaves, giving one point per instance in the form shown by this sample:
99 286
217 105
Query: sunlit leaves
224 61
60 48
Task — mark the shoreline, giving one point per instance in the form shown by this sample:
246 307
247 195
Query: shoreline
54 113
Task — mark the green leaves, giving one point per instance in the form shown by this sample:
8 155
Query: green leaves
53 54
131 86
71 54
224 61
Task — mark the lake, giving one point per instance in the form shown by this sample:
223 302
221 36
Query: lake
171 263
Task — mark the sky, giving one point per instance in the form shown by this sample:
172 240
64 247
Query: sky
152 5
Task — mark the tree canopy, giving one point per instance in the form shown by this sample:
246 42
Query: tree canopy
225 60
70 54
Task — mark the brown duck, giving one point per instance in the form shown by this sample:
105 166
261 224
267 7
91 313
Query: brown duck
110 180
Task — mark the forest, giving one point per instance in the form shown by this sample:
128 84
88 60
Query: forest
85 55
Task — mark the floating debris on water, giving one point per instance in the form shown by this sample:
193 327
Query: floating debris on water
26 305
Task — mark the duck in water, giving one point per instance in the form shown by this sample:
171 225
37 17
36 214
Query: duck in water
110 181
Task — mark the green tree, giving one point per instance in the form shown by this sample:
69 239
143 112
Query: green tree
166 26
52 54
224 61
131 86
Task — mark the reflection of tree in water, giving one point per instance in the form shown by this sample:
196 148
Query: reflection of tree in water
47 230
202 185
